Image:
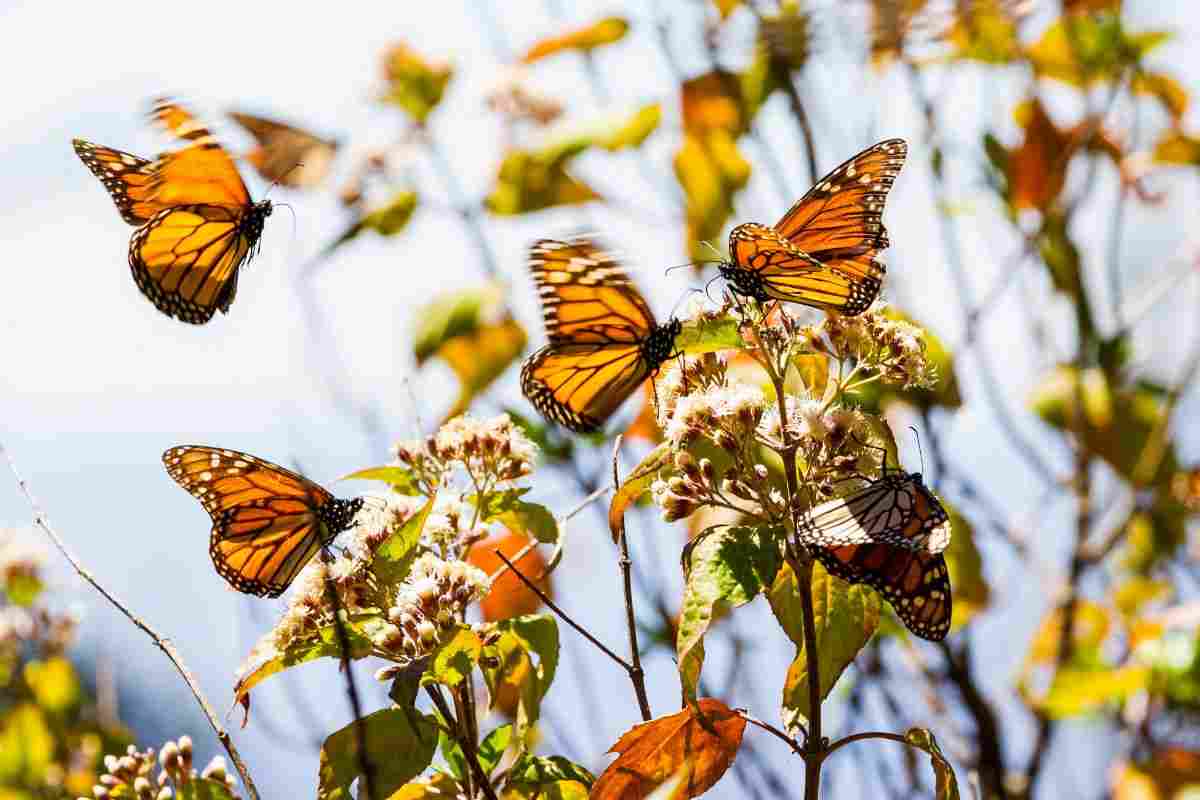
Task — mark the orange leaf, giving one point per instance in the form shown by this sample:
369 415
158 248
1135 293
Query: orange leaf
509 596
645 425
710 101
606 31
654 752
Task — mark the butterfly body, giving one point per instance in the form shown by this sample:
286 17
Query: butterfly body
268 521
197 225
822 253
889 535
603 338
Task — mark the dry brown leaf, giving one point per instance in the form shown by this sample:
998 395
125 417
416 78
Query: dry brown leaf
654 752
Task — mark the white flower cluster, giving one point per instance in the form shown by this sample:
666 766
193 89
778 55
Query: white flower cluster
432 600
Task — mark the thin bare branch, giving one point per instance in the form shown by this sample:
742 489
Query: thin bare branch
636 674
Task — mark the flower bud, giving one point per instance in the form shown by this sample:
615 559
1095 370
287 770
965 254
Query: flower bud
761 472
142 787
165 793
707 470
427 631
99 792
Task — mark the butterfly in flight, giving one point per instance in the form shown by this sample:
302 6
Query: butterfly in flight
604 340
823 252
285 154
267 521
889 535
196 222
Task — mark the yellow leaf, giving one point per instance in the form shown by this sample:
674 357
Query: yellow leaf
1176 147
971 592
985 30
1076 691
414 84
1091 628
531 180
1169 91
605 31
655 752
710 170
478 358
633 131
53 683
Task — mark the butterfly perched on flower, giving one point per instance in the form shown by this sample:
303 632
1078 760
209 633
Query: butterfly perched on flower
196 222
286 154
823 252
604 339
267 521
890 535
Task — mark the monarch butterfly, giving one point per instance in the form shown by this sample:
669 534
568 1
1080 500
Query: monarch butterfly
889 535
604 340
822 253
196 222
267 521
286 154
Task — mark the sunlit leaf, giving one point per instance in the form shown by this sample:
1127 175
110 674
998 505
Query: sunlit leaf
54 684
508 595
1153 534
438 786
400 479
479 358
944 783
712 101
1091 628
388 219
508 508
532 180
1134 593
1170 773
708 334
653 752
1177 147
455 657
1082 50
633 131
394 557
398 750
846 617
414 83
26 746
586 39
1074 692
635 485
1168 91
461 312
513 678
985 30
726 7
531 769
725 568
710 170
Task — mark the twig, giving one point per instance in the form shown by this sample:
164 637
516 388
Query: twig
468 752
636 674
771 729
162 643
857 737
360 730
562 614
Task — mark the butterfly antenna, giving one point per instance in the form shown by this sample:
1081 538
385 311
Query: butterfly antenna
276 182
920 452
699 263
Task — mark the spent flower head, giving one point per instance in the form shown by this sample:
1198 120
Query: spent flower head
133 774
893 348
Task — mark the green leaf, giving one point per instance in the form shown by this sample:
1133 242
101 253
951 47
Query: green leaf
507 508
398 750
414 83
532 180
725 568
604 31
493 747
22 588
400 479
709 335
267 658
200 789
452 752
388 219
548 769
521 638
455 658
396 554
945 784
457 313
846 617
971 592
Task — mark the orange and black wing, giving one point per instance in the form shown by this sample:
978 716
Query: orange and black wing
604 340
835 233
202 172
915 582
186 258
286 154
128 179
267 520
